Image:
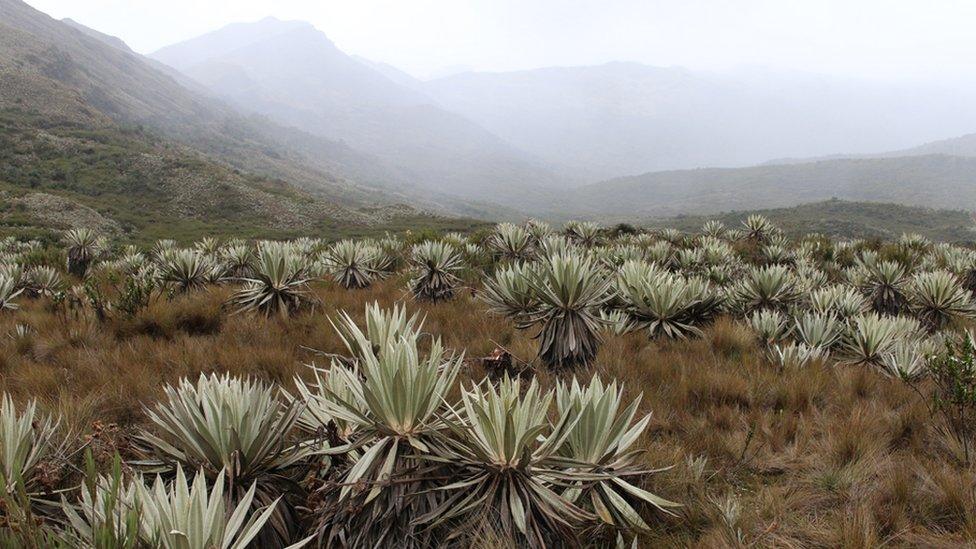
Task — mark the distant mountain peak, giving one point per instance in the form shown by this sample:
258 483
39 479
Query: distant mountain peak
234 37
292 73
273 23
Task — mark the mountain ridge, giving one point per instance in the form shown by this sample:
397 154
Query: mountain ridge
963 145
299 78
937 181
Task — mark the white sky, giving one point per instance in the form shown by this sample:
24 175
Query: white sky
874 38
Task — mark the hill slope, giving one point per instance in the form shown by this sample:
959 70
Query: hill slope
843 219
53 67
935 181
294 74
128 181
92 134
956 146
142 185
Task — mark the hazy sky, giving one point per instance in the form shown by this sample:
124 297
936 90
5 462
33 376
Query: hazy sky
886 38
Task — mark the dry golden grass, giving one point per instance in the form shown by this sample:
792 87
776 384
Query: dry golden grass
828 456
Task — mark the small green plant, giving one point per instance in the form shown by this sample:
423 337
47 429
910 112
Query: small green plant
758 228
885 284
184 270
44 281
508 292
107 515
938 298
26 440
586 234
8 294
818 330
954 399
665 304
435 271
135 295
770 327
184 516
83 247
279 284
238 426
772 287
96 299
504 452
511 243
606 429
391 408
351 264
570 290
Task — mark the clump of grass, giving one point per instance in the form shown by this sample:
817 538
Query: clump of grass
192 315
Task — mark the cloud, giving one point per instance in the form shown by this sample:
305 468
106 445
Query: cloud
880 38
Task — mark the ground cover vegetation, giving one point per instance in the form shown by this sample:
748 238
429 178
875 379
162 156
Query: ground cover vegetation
523 386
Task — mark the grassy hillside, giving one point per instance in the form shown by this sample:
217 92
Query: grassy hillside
934 181
844 219
72 73
131 182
